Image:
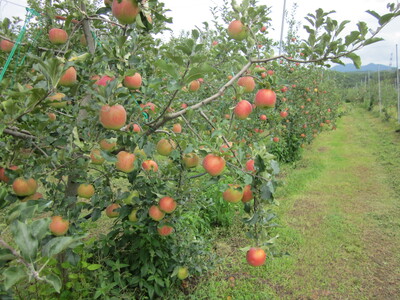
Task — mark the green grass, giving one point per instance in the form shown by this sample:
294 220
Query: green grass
339 213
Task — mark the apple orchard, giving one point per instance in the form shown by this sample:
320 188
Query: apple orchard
121 152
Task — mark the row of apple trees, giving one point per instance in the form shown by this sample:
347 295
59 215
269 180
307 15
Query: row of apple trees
121 151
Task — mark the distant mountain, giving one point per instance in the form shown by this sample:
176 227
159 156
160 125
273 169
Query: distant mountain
369 67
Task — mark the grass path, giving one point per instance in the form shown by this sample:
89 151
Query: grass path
340 212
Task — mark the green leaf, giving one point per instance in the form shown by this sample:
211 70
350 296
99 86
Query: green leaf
93 267
356 59
275 167
55 281
195 34
27 243
351 37
265 192
372 40
169 68
374 13
77 141
40 228
59 244
386 18
12 275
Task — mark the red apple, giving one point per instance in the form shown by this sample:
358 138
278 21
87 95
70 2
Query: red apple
243 109
165 147
68 78
265 98
167 204
148 106
52 117
107 145
237 30
213 164
96 158
112 117
165 230
156 213
35 196
133 82
190 160
250 165
248 83
58 36
150 165
194 85
3 176
256 256
263 117
56 100
104 80
6 46
263 29
177 128
247 194
275 139
184 105
233 194
85 190
125 162
58 226
214 43
283 114
111 209
24 187
125 11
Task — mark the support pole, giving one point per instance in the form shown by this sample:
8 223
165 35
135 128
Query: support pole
398 86
282 25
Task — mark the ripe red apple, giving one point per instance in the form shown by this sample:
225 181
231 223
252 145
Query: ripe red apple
237 30
263 29
190 160
213 164
177 128
107 145
125 11
133 82
165 147
68 78
58 226
35 196
3 176
150 165
167 204
263 117
194 85
125 161
270 72
56 100
256 256
104 80
248 83
6 46
283 114
243 109
250 165
214 43
58 36
156 213
148 106
247 194
111 209
275 139
95 156
265 98
112 117
52 117
233 194
135 127
24 187
165 230
184 105
85 190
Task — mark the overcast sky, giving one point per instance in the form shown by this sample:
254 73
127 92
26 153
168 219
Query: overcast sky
188 13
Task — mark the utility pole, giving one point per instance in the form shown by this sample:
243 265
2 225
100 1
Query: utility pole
398 89
379 91
282 25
